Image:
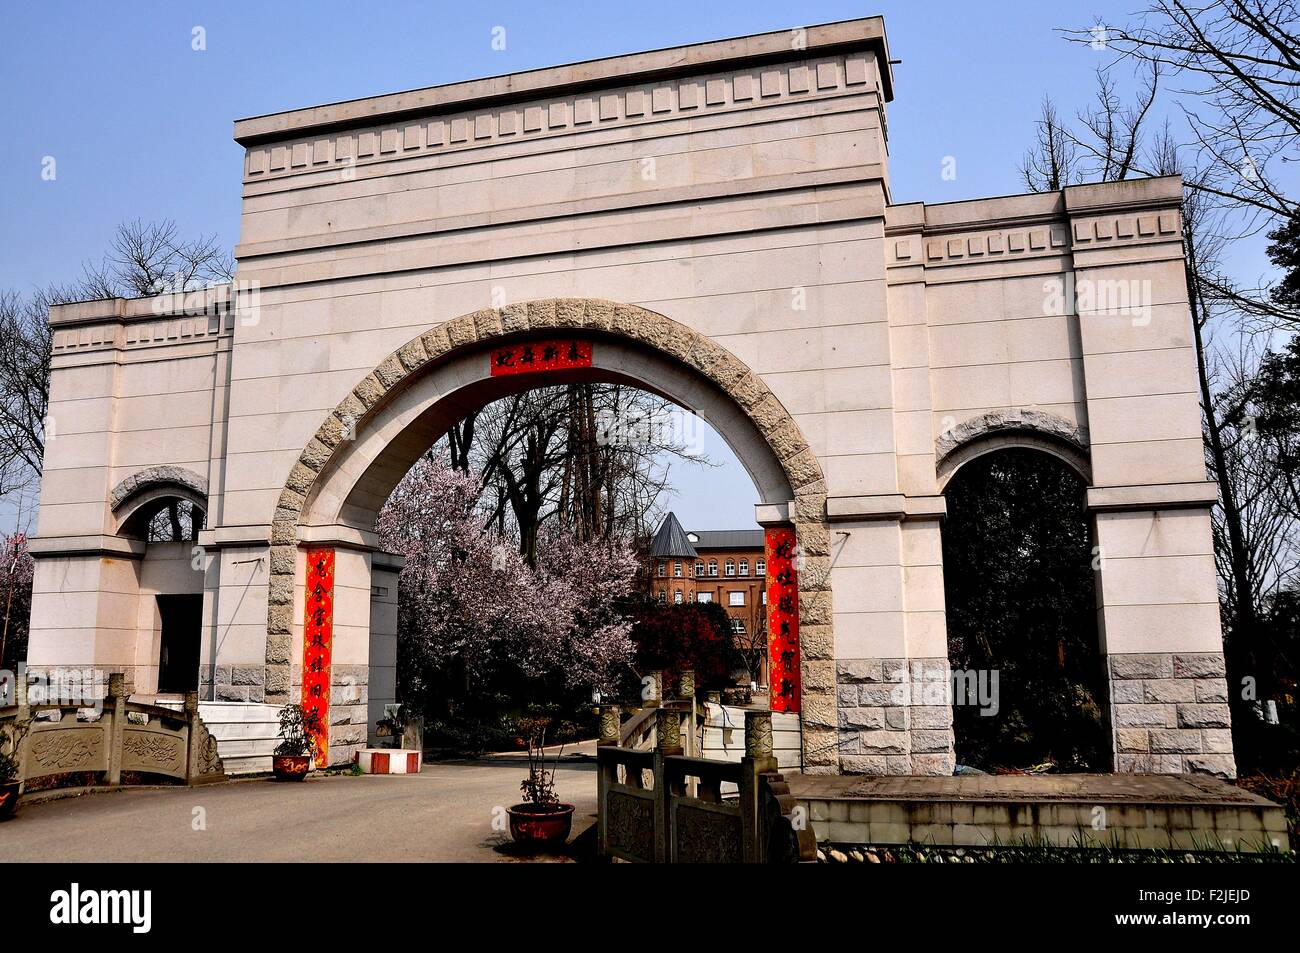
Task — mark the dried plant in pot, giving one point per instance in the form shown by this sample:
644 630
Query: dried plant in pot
10 782
542 820
291 760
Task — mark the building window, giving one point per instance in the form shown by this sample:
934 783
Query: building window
736 597
713 567
760 567
677 569
764 597
699 567
663 569
744 567
704 597
663 597
738 626
731 567
677 596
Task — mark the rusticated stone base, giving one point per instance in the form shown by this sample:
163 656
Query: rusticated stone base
1169 714
233 683
895 716
75 684
349 709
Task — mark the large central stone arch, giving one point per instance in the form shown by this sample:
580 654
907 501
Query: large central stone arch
367 442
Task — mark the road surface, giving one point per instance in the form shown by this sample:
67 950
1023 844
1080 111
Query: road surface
445 813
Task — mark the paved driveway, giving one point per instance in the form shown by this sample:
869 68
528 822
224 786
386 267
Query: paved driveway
445 813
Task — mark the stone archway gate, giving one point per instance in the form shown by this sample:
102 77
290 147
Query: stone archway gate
714 221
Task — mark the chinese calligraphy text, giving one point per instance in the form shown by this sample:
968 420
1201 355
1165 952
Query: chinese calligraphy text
783 618
529 356
317 637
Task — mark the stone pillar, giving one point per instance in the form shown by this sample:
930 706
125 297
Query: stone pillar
115 710
381 679
1157 594
655 687
239 660
1158 623
758 734
610 733
892 678
92 624
350 667
668 732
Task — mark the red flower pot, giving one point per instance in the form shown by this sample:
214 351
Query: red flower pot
8 798
538 827
290 767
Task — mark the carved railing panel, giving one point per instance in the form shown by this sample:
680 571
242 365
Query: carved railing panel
682 816
120 736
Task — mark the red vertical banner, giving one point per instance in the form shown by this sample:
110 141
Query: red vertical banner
782 619
317 639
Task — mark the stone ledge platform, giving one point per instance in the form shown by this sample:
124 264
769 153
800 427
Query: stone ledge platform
1127 811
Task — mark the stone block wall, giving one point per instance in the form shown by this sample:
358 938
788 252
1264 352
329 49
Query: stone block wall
349 699
1169 712
233 683
895 716
349 709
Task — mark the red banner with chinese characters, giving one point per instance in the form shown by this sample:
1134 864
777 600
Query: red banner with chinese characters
317 638
529 356
782 619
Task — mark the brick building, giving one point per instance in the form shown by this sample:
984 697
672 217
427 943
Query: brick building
723 566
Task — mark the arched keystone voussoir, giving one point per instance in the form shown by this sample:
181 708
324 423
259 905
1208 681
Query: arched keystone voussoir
436 341
315 456
157 476
369 391
487 324
801 469
350 409
599 314
301 478
562 313
461 331
412 354
514 318
330 434
390 372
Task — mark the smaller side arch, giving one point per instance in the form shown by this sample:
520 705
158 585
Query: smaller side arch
997 430
140 490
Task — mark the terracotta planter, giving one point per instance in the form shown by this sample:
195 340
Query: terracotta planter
8 798
536 828
290 767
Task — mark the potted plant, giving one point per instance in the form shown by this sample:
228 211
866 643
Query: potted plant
10 783
542 820
291 759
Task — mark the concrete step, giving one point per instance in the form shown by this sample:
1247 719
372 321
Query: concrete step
236 765
246 734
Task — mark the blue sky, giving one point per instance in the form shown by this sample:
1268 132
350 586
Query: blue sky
139 123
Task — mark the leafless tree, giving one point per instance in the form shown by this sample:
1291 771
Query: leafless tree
1264 500
1052 162
146 258
751 646
143 258
1238 67
588 455
24 386
1237 63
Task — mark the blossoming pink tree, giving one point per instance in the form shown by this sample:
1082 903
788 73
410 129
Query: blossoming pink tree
468 597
